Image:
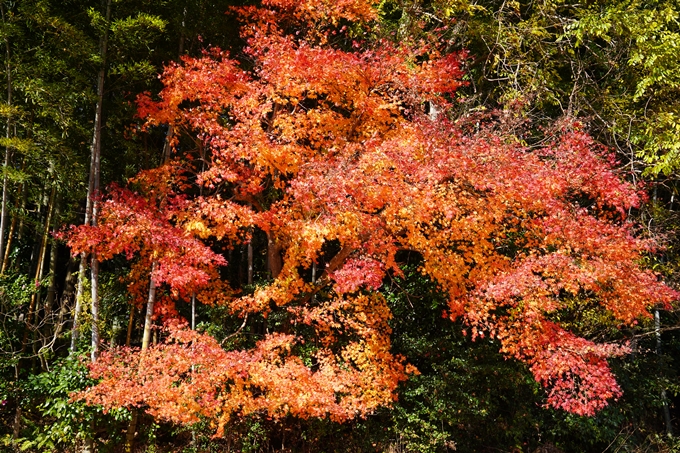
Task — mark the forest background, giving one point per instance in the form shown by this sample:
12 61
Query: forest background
73 71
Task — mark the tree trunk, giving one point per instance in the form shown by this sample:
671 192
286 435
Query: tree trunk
664 397
70 281
3 209
12 228
91 206
22 225
131 323
167 148
79 301
96 159
51 325
146 338
65 300
54 254
130 435
8 150
193 311
149 310
250 262
274 261
182 32
94 272
16 426
313 280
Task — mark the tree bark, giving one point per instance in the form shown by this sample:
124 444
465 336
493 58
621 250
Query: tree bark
664 397
149 310
94 287
22 225
16 425
274 261
130 435
96 159
250 262
146 339
91 206
8 149
193 311
54 254
131 323
167 148
314 280
12 229
65 300
70 281
79 301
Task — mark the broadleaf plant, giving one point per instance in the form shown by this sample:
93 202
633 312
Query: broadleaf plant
332 148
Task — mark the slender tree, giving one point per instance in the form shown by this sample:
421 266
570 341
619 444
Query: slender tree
5 167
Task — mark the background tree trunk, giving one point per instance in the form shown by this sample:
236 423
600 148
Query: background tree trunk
12 229
91 206
8 149
664 397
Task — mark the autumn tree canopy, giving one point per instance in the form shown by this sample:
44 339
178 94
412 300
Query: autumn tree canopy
332 148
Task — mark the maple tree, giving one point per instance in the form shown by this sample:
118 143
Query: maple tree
324 145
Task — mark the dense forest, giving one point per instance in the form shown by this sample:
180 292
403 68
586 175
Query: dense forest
339 226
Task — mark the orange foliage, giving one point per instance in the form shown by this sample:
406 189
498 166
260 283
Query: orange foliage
191 376
317 145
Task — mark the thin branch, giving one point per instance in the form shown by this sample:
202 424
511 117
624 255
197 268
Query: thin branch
238 331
